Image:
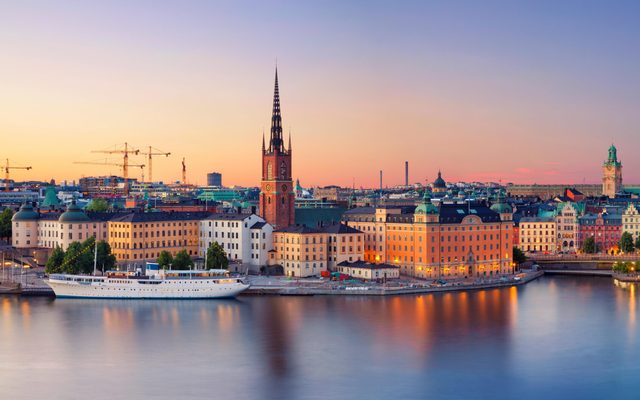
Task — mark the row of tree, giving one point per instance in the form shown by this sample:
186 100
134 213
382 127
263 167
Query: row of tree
626 244
216 259
624 267
5 223
79 258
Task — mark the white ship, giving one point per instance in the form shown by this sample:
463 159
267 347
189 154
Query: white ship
154 284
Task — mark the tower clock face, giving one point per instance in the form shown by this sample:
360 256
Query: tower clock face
268 187
284 188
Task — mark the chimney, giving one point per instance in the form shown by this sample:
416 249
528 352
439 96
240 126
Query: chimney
380 181
406 173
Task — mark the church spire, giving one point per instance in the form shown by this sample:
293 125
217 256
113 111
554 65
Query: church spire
289 141
277 142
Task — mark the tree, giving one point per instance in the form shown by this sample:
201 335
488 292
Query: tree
622 267
518 256
165 259
98 205
182 260
105 260
79 258
626 242
637 244
5 223
216 257
54 263
589 245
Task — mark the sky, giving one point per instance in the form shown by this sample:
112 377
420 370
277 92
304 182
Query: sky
510 91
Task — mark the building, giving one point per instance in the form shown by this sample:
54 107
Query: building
246 238
277 195
567 227
439 185
103 185
538 235
368 271
304 251
551 191
333 193
454 240
612 174
605 228
139 236
214 179
631 221
32 229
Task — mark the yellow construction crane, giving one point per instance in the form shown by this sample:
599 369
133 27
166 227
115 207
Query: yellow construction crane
121 165
7 168
125 163
153 152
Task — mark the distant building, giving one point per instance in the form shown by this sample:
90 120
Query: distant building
214 179
567 226
368 271
550 191
612 174
333 193
439 185
631 221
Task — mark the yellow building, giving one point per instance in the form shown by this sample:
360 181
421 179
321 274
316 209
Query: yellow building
304 251
537 235
140 236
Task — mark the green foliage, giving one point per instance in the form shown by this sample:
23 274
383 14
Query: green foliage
5 223
518 256
98 205
54 263
589 245
626 242
637 244
164 259
78 259
216 257
623 267
182 260
105 260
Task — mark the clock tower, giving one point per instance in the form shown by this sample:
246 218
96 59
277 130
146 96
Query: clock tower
277 194
612 174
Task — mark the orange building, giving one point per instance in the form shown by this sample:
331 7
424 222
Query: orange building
140 236
452 240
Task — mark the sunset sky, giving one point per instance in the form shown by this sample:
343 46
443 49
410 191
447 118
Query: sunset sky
483 90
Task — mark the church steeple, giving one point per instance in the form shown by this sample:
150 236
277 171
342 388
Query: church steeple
276 142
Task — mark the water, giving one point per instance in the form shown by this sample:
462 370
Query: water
555 338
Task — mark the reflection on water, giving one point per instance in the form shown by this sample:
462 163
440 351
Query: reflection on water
499 343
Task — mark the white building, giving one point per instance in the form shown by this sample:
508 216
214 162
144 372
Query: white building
50 230
246 238
567 228
631 221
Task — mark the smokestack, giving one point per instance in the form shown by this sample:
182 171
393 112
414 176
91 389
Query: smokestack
406 173
380 181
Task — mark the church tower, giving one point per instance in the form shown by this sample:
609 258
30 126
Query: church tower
277 194
612 174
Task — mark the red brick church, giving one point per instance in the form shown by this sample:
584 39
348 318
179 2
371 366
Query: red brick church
277 194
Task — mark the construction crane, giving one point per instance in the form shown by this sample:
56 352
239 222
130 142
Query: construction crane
153 152
7 168
125 163
184 172
121 165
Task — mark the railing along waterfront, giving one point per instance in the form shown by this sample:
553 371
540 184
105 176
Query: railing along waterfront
582 257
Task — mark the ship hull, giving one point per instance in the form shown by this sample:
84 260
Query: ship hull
139 289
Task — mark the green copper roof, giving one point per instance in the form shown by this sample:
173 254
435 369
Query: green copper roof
73 214
50 197
427 207
501 208
26 213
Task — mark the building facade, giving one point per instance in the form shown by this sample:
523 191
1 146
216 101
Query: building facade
612 174
446 241
246 238
631 221
605 228
277 195
538 235
567 228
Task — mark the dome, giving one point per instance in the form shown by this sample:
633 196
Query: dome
501 208
427 207
73 214
26 213
439 182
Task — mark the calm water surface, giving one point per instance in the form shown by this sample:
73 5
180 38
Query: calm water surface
555 338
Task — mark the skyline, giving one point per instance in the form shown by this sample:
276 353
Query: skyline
445 87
